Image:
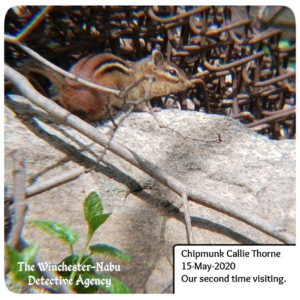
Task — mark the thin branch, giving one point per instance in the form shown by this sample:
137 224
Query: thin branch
15 239
166 287
121 94
187 218
150 79
152 170
60 288
54 181
130 110
146 99
216 140
19 199
116 126
55 68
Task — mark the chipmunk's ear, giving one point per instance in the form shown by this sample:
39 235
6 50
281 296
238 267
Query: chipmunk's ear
158 58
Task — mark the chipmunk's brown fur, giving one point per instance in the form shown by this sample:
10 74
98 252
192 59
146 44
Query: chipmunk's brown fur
113 72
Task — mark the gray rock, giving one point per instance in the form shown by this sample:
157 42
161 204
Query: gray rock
247 170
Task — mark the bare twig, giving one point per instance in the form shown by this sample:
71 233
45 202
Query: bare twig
116 126
15 239
19 198
150 79
54 181
60 288
19 202
167 287
216 140
62 72
161 176
146 99
129 111
121 94
187 218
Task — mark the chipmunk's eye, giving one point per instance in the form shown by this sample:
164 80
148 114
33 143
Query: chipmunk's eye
173 72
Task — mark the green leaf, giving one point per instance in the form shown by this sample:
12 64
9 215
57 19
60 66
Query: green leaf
85 283
29 253
98 221
93 211
18 260
93 205
72 261
57 230
115 287
109 251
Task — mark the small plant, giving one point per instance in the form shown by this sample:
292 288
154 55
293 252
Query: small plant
77 270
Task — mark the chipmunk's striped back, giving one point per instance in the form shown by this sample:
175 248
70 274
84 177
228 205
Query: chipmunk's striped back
110 71
95 66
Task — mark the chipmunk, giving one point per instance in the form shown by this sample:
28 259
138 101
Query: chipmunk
113 72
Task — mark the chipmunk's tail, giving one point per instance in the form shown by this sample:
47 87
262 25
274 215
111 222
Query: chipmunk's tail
31 66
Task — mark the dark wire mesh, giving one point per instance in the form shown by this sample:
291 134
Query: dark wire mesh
241 59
